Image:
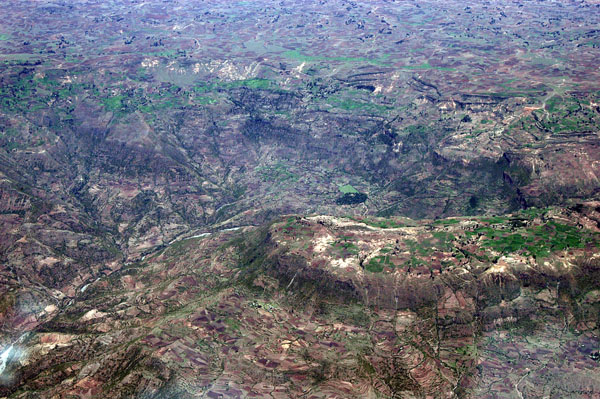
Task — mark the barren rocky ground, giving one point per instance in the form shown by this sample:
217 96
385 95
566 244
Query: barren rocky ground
299 199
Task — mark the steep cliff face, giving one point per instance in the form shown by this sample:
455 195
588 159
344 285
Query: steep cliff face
334 306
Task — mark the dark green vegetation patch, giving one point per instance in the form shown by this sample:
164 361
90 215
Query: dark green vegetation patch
352 199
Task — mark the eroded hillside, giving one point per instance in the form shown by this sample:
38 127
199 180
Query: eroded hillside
442 161
335 307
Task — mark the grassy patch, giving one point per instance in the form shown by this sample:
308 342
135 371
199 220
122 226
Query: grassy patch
114 103
233 324
350 313
468 351
202 100
381 223
293 227
276 173
253 83
444 240
346 189
537 241
164 54
423 247
416 129
347 104
344 247
553 103
377 263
